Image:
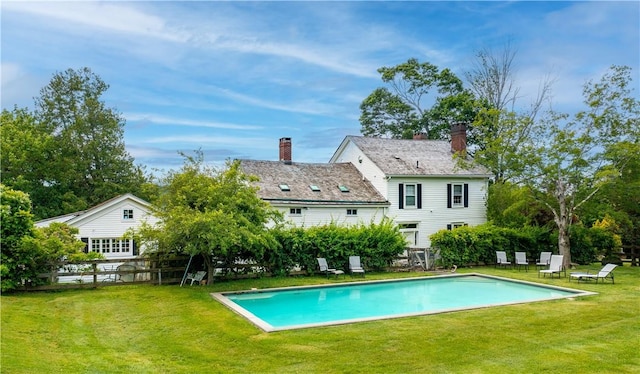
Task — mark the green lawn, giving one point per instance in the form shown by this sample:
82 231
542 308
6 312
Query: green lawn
168 329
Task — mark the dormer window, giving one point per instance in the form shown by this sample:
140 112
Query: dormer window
284 187
314 188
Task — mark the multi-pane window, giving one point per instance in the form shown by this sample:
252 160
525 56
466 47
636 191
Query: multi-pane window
457 195
112 245
125 246
295 211
127 214
352 212
410 195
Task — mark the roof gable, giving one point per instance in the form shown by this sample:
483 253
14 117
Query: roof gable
413 157
76 217
299 177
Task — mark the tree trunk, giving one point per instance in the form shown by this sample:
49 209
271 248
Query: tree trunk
563 218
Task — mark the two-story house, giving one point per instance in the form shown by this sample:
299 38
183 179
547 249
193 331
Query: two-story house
426 185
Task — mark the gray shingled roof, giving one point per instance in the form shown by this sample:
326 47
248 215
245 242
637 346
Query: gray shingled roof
414 157
298 176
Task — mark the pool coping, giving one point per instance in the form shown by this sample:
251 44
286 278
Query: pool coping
222 298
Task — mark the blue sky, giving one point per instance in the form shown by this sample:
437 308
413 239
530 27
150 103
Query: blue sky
231 78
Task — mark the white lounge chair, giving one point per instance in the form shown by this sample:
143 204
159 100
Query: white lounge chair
501 259
521 260
354 265
604 273
545 258
555 266
322 263
197 277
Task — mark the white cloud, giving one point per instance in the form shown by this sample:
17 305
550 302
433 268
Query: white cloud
163 120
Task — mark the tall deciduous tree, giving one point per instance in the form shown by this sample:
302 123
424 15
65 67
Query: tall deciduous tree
419 98
566 160
213 213
69 154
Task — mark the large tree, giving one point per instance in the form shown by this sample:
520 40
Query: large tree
216 214
502 120
567 160
70 153
418 98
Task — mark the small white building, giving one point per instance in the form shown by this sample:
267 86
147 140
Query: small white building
102 227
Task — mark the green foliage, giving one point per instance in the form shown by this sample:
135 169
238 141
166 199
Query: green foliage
510 205
28 251
478 244
377 244
212 213
71 125
399 111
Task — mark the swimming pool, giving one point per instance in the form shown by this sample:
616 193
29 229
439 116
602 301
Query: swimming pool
310 306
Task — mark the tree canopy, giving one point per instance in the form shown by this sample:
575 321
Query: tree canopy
213 213
567 159
68 154
402 108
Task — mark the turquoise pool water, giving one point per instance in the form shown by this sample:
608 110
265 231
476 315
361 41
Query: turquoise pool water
279 309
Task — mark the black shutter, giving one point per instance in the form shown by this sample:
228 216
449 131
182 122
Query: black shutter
135 248
86 244
466 195
419 196
401 195
449 226
449 195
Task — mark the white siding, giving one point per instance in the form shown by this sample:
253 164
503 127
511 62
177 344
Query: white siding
109 223
435 215
313 215
367 168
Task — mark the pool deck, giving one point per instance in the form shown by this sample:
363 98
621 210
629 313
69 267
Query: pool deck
222 298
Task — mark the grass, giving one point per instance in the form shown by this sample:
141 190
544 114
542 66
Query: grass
168 329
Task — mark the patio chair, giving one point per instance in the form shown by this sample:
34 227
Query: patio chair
521 261
544 259
322 263
354 265
604 273
197 277
555 266
501 259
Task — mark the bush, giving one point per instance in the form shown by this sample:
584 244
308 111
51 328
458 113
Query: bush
478 244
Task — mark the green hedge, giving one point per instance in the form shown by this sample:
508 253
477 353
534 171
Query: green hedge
377 244
478 244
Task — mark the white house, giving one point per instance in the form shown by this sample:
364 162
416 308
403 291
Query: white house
101 228
418 183
423 180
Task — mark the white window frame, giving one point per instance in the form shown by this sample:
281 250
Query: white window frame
409 229
352 212
296 212
459 195
414 196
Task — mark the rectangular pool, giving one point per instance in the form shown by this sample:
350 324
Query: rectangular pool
310 306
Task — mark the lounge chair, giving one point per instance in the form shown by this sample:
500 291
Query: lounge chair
604 273
197 277
521 260
501 259
354 265
555 266
545 258
322 263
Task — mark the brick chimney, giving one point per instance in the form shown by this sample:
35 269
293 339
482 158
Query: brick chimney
419 136
458 138
285 150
